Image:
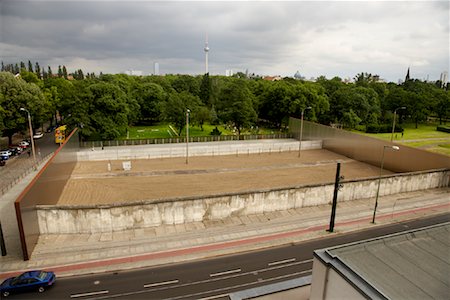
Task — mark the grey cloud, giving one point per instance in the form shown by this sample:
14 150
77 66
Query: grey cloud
269 37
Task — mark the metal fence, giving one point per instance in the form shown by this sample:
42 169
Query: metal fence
11 175
195 139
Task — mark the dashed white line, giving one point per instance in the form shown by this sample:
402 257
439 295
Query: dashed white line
89 294
225 273
214 297
281 262
161 283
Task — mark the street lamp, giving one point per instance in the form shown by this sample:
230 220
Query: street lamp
187 135
301 130
31 134
396 148
393 123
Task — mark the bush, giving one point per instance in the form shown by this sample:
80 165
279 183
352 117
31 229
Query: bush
216 131
443 128
382 128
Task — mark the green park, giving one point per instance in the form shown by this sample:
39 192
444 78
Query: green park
109 107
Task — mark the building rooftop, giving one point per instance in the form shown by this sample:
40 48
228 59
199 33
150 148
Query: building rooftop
411 265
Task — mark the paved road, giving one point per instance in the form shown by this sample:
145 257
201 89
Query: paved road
214 278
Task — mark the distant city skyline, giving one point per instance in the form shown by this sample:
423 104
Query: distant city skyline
329 38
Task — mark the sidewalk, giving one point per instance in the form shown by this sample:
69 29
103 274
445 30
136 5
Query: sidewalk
90 253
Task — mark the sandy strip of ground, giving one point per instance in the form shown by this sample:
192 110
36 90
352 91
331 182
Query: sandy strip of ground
92 183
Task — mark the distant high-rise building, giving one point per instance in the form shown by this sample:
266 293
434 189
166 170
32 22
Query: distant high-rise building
444 79
156 68
228 72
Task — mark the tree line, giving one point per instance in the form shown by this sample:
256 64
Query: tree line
103 106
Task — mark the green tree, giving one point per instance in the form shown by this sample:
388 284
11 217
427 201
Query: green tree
205 89
174 109
64 72
108 110
201 116
37 70
236 105
17 93
150 97
30 67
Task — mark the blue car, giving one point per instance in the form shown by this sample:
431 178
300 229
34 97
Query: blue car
28 281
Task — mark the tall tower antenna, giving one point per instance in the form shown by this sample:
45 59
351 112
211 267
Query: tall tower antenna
206 49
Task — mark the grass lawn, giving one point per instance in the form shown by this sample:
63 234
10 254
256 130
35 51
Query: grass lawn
169 131
425 137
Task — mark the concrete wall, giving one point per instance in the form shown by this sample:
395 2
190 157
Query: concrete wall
106 218
195 149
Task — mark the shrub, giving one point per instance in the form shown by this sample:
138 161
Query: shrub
443 128
382 128
216 131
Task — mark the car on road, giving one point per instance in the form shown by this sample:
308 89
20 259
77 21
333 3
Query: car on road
29 281
38 135
15 150
5 154
24 144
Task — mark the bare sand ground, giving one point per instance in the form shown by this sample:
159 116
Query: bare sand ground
152 179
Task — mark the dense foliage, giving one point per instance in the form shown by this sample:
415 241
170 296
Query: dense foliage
104 106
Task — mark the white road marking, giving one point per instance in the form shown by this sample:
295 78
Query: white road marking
225 273
89 294
281 262
161 283
214 297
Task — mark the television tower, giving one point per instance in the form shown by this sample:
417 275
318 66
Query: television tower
206 49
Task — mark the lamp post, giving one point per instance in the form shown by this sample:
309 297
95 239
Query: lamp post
187 135
301 130
396 148
31 134
393 123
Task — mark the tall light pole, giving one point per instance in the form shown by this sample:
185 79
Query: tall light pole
393 123
301 130
187 135
396 148
31 134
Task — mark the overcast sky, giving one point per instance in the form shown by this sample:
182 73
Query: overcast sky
331 38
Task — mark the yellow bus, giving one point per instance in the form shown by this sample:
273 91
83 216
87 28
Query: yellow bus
60 134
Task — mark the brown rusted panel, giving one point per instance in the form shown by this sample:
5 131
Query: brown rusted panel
45 189
370 150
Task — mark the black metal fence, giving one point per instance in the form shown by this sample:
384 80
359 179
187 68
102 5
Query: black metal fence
195 139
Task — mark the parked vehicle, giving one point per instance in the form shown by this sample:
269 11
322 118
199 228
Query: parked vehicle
5 154
38 135
15 150
50 128
24 144
28 281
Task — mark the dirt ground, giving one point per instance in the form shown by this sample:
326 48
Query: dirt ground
93 183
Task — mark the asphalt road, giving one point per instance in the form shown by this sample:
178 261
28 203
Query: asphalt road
213 278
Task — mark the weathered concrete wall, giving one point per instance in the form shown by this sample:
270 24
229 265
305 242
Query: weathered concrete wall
195 149
107 218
